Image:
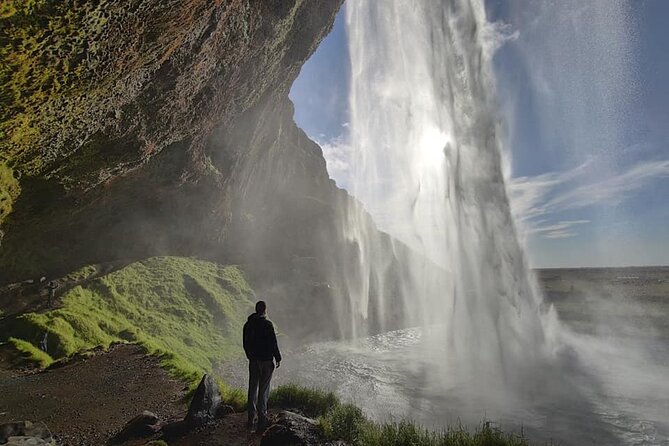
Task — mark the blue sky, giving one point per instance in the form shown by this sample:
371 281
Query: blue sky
583 91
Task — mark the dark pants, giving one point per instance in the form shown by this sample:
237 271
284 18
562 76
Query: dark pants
260 375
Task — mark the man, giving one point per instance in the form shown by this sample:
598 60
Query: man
261 349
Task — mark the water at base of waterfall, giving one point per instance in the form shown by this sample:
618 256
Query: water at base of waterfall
387 374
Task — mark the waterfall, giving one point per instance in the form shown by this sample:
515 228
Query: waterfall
427 164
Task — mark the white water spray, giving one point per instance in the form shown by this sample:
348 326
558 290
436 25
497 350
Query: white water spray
427 164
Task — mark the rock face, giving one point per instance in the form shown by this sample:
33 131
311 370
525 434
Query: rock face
150 127
204 406
111 114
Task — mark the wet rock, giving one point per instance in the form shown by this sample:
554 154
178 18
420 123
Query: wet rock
205 402
143 425
291 428
25 433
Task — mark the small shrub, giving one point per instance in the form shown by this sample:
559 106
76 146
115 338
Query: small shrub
311 402
232 396
345 422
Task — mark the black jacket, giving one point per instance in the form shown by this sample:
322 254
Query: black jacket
260 339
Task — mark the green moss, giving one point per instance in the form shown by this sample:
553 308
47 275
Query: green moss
9 190
82 274
188 312
31 352
46 55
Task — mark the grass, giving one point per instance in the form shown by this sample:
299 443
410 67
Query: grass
187 312
311 402
31 352
348 423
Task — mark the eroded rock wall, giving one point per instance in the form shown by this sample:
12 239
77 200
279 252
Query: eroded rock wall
142 128
108 114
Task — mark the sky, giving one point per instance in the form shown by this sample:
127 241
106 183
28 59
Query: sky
583 96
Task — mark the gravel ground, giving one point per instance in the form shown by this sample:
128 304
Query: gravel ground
86 402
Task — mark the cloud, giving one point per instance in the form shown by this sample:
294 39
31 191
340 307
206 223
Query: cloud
561 229
535 199
337 153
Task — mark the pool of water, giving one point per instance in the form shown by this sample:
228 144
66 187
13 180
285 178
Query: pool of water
606 384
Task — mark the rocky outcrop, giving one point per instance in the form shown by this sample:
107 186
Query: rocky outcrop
146 128
109 115
204 405
141 426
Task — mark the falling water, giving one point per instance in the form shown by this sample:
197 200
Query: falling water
427 164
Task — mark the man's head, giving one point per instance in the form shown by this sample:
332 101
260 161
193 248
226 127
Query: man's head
261 307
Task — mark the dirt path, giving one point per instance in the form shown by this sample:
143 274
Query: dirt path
229 431
84 403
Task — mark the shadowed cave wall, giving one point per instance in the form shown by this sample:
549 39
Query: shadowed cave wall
142 128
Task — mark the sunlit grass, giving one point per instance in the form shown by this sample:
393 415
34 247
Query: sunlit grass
347 422
187 312
31 352
310 402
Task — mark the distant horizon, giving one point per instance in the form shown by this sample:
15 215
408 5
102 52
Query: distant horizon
599 267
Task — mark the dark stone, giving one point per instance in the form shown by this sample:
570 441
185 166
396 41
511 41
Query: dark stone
224 410
205 402
143 425
24 429
291 428
12 429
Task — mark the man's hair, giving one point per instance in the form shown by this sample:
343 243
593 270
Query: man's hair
261 307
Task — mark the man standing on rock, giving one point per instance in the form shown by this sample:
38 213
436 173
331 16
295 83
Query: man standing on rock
261 349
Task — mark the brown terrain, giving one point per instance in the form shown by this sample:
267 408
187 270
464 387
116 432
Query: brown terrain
88 401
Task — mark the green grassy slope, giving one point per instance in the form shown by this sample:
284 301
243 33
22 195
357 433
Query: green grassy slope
189 312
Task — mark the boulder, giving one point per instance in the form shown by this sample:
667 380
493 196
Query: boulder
25 432
205 402
291 428
143 425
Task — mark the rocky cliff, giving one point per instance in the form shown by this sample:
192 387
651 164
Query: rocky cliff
110 115
141 128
